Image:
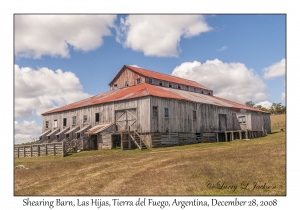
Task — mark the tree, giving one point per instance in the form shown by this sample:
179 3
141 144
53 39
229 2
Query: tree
250 104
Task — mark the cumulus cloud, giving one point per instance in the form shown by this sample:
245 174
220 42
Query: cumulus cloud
232 81
37 35
222 48
282 96
135 66
266 104
37 91
159 35
275 70
26 131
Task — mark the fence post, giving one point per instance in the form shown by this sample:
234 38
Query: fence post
24 154
63 149
46 151
38 150
54 149
18 152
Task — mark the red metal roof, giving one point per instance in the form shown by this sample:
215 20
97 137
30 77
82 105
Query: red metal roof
161 76
145 89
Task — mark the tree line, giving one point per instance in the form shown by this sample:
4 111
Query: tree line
276 108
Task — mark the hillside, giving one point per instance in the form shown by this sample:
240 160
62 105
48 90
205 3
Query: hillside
199 169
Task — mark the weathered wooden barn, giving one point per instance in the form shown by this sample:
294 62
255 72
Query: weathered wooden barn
149 109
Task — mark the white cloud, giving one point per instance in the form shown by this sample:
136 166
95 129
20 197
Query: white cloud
232 81
37 91
37 35
282 96
159 35
266 104
26 131
222 48
275 70
135 66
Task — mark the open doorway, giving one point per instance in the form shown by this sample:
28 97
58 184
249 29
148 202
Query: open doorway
116 141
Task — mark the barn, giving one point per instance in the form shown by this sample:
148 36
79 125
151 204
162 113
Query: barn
145 109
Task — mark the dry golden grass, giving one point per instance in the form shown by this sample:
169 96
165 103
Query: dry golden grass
182 170
278 121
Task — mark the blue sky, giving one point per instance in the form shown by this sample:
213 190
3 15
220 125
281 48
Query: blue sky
241 57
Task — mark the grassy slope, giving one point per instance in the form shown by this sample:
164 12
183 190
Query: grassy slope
182 170
278 121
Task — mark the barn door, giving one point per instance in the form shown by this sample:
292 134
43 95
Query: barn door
222 122
126 119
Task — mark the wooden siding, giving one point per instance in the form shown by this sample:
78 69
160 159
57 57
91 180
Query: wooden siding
106 112
129 76
181 116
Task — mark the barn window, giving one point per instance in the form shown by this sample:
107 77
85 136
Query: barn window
65 122
202 92
126 83
115 86
195 89
170 84
242 119
84 119
179 87
97 117
55 124
74 120
187 88
208 93
150 80
155 111
194 115
166 112
138 80
160 83
47 124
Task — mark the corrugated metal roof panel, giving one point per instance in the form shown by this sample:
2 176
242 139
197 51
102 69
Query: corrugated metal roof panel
145 89
83 129
63 131
53 132
73 129
98 128
45 133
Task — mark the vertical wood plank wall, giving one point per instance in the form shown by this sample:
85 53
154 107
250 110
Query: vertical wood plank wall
180 116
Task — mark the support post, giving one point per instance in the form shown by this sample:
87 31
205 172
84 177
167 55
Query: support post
232 136
46 151
121 140
62 149
217 137
38 150
226 136
246 133
54 149
240 134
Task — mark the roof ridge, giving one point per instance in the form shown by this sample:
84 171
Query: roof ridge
165 74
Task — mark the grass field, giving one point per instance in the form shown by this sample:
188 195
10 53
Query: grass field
278 121
255 167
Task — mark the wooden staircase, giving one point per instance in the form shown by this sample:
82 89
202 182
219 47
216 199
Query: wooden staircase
137 140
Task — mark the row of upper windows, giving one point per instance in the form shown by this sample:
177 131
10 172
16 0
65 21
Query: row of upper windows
178 86
74 122
166 112
170 85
